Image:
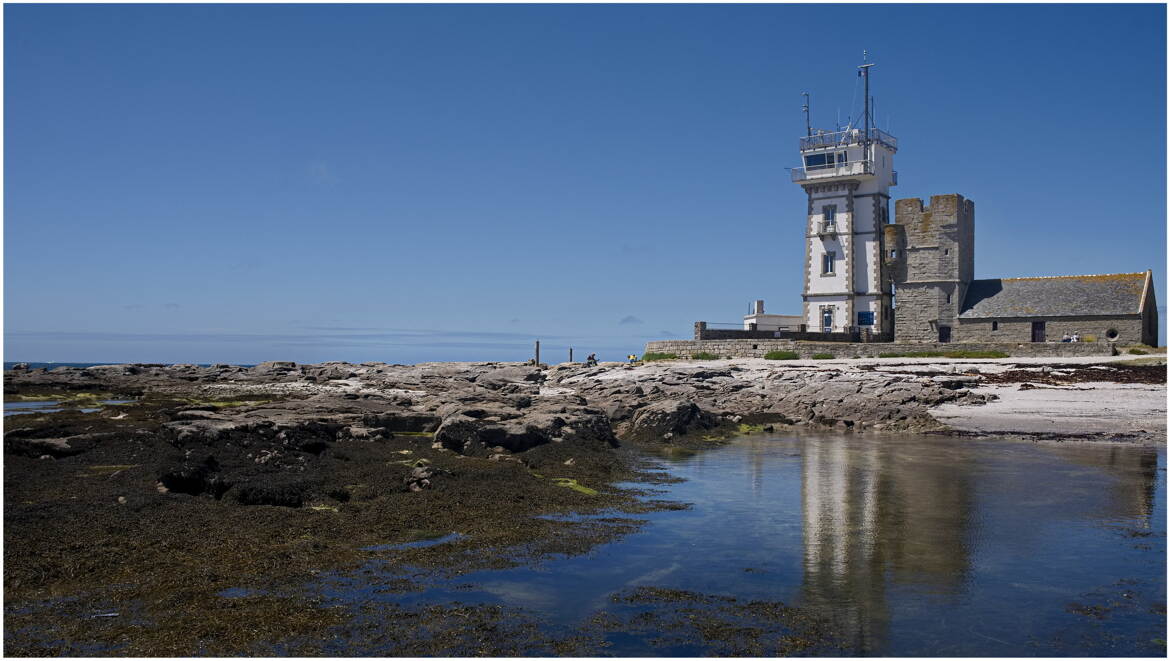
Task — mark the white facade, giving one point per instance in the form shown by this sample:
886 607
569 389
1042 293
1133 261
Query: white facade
772 322
847 178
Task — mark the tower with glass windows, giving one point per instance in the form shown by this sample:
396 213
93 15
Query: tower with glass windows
847 175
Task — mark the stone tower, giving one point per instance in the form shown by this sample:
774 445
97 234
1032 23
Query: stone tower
930 257
847 176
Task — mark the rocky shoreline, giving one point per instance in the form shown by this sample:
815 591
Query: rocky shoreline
216 478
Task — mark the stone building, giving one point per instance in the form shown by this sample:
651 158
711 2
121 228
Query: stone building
930 254
867 279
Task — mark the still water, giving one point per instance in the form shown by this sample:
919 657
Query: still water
908 545
52 406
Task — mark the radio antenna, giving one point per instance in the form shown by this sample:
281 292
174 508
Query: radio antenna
807 122
864 72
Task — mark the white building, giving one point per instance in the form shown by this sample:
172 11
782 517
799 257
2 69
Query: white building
758 320
847 176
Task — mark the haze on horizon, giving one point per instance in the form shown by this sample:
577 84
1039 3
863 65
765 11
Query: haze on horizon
403 183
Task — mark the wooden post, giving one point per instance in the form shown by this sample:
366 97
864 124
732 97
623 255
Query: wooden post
570 354
538 353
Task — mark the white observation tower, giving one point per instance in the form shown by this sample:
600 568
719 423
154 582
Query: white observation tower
847 175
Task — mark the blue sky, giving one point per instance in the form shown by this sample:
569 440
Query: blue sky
401 183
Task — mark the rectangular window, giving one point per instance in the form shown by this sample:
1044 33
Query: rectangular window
829 213
995 325
843 158
948 298
827 319
865 318
828 262
894 253
818 161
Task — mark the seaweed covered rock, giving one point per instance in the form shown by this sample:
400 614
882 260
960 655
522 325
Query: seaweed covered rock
671 416
469 431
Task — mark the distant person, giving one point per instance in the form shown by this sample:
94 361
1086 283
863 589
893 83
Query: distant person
591 361
1066 338
1076 336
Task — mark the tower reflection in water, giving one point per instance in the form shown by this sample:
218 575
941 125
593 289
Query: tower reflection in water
878 516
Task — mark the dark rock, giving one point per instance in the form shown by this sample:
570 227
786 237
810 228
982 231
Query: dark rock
279 491
195 476
669 416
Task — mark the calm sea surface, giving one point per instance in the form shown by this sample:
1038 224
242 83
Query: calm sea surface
909 545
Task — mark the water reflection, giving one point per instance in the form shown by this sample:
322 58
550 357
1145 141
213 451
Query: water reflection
909 545
880 515
872 512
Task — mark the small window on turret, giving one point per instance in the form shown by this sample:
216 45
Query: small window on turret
894 253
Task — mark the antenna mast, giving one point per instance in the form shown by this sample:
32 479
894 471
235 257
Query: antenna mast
865 74
807 123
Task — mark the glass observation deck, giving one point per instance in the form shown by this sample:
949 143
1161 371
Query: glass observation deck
839 169
823 140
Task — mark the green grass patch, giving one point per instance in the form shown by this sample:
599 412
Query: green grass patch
105 471
703 355
676 452
81 398
1138 352
574 485
781 355
822 356
744 428
652 356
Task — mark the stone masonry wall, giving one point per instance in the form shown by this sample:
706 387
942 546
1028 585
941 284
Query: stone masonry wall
1129 329
757 348
937 263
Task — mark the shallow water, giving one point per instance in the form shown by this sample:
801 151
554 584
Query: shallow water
51 406
908 545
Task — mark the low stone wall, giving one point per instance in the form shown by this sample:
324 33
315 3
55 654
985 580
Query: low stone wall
1123 329
733 334
757 348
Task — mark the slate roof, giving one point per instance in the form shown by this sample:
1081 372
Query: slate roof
1061 296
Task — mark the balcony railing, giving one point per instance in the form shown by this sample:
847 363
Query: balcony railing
850 169
844 138
827 229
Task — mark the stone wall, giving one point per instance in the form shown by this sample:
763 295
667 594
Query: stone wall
917 312
935 263
757 348
1019 329
704 333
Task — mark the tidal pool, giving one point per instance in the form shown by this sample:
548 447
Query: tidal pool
52 406
904 545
